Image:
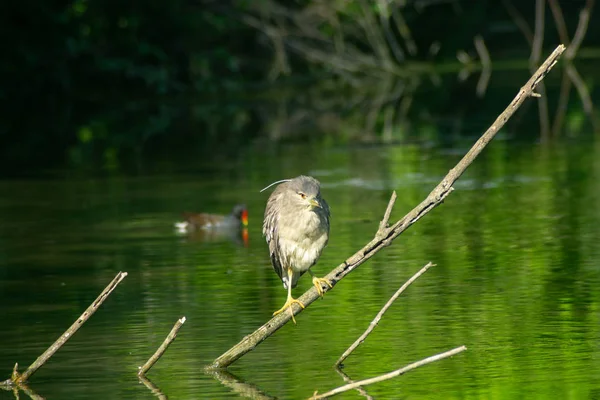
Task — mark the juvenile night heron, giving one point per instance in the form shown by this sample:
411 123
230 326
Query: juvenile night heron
296 227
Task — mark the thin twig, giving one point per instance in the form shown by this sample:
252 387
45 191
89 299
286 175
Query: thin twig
536 53
582 26
15 388
386 217
563 103
538 36
435 198
41 360
519 21
389 375
29 392
377 318
384 20
153 388
571 71
486 65
347 379
543 112
582 90
143 370
559 21
404 31
374 35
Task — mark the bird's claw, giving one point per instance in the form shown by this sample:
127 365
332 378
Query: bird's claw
288 304
318 282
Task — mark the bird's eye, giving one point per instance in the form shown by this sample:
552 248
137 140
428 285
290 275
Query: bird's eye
303 195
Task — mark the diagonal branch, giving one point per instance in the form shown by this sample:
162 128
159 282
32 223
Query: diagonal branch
383 225
582 27
377 318
389 375
349 380
435 198
143 370
519 21
559 20
42 359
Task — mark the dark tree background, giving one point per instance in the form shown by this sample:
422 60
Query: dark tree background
106 79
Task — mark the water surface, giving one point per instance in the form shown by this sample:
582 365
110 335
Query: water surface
517 278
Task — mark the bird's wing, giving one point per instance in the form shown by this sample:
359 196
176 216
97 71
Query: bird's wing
270 231
325 207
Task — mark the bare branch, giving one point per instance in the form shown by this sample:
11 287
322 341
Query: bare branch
519 21
374 34
377 318
41 360
359 389
435 198
404 30
163 347
563 102
536 53
538 37
543 112
582 90
486 65
559 20
15 388
389 375
384 21
582 26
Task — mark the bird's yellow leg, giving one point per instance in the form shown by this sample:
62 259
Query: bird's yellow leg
318 282
290 300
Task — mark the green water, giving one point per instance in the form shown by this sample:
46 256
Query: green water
517 278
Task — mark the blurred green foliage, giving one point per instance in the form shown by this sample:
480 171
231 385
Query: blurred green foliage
88 81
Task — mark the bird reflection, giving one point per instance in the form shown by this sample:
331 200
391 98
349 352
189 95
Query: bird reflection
238 236
205 227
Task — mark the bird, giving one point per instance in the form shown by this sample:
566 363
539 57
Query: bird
195 222
296 228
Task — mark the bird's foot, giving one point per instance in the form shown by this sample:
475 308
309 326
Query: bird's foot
318 282
288 304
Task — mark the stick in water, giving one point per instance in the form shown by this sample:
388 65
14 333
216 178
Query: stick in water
163 347
377 318
389 375
41 360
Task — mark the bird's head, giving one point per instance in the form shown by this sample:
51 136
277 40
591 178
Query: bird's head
299 194
304 191
241 212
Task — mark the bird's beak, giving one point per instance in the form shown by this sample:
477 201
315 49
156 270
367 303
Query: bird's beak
245 218
314 203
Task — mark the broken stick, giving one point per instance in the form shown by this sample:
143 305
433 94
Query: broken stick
17 378
163 347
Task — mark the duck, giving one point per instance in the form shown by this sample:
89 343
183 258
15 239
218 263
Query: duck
205 221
